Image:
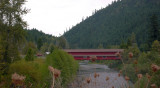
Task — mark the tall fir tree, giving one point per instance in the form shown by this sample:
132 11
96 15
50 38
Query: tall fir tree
11 29
154 30
39 43
30 55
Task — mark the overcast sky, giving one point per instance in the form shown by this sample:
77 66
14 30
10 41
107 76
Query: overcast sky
55 16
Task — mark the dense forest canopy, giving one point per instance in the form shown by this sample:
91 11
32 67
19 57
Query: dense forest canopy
114 24
36 36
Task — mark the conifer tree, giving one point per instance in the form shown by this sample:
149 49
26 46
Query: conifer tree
11 29
100 46
30 55
156 46
123 45
40 44
154 30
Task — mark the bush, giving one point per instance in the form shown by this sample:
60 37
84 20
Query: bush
36 72
129 71
64 62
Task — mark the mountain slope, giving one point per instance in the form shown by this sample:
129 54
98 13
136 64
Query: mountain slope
116 22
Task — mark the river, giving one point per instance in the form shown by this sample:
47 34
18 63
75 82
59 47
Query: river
89 70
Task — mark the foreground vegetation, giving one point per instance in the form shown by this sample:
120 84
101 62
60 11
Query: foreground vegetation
142 68
37 74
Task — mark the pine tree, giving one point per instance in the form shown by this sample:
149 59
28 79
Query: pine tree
129 42
40 44
100 46
154 31
156 46
123 45
30 55
133 38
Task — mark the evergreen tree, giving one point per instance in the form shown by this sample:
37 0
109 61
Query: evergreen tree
133 38
129 42
123 45
100 46
30 55
11 29
51 48
154 30
156 46
45 48
29 45
62 43
39 44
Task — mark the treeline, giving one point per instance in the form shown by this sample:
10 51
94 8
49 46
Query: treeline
41 42
38 37
115 23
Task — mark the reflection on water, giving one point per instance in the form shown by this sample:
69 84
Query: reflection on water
88 70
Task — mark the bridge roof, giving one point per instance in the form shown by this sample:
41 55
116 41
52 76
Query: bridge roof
93 50
96 55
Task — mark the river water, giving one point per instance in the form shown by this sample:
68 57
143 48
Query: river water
88 71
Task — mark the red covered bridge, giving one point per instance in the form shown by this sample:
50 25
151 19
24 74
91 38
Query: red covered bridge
101 54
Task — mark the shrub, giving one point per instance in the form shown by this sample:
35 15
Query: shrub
129 71
141 83
37 74
64 62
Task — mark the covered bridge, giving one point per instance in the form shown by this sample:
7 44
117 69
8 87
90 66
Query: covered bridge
101 54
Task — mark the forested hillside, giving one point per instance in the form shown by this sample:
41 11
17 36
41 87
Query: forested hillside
36 37
43 42
116 22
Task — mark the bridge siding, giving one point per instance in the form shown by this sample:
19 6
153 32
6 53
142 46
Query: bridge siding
98 58
100 53
91 53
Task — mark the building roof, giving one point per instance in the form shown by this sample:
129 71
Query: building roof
93 50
